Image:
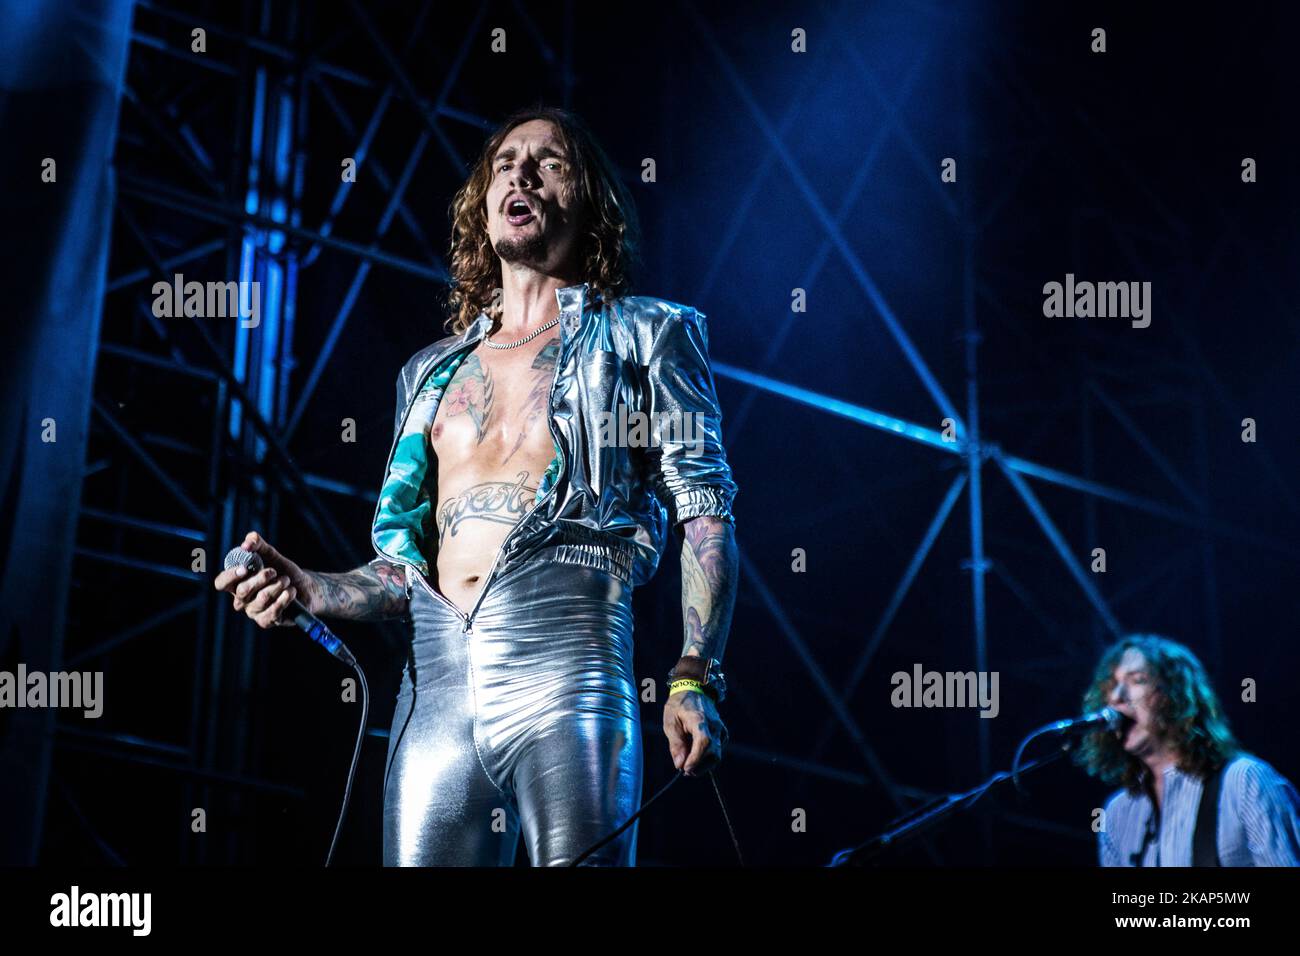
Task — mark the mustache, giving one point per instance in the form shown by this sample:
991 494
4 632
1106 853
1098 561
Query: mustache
535 202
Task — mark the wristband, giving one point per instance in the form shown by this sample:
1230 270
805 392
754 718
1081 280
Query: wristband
684 684
707 671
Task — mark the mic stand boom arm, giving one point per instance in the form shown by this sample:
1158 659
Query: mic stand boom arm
937 811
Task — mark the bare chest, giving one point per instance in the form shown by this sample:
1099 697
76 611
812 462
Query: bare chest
493 411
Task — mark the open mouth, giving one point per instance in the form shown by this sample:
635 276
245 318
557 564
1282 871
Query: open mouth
1125 728
518 213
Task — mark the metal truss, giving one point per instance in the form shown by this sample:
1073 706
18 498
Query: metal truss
244 221
974 448
248 219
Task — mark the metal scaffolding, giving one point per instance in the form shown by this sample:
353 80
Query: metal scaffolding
243 220
974 446
240 214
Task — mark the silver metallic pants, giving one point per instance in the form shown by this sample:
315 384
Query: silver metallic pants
526 720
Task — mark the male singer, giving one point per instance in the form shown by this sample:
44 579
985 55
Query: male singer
1191 796
517 514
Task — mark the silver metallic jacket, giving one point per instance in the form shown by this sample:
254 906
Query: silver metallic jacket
609 505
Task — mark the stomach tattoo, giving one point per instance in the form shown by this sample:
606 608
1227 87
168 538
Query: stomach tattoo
504 502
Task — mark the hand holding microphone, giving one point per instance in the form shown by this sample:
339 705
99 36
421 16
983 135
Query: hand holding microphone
269 596
265 584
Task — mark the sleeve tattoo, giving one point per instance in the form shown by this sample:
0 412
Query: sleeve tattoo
709 574
372 592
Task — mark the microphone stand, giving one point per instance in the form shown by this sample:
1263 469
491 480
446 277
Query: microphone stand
937 811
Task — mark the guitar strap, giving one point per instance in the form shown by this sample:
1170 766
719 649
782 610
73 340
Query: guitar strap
1205 849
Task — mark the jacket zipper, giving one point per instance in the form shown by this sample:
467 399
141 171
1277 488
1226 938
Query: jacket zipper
406 414
550 423
438 595
550 427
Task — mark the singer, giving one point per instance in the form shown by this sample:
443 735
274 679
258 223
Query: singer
512 534
1191 796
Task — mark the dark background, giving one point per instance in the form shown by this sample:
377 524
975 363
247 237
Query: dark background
775 171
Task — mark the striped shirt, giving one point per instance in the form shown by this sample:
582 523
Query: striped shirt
1259 820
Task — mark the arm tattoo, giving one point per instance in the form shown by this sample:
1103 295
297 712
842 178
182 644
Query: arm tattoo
372 592
709 575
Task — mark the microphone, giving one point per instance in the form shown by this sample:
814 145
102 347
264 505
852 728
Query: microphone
1107 717
309 623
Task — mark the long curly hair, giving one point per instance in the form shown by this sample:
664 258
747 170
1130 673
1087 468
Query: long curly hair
607 250
1187 714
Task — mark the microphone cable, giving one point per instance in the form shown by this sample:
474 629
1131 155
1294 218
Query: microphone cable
725 816
632 819
356 756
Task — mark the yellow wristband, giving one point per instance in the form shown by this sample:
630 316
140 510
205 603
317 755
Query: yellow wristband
684 684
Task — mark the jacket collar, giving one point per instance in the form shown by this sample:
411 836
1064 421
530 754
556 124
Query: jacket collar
572 300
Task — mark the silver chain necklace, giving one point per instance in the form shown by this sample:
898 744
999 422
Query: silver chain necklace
527 338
